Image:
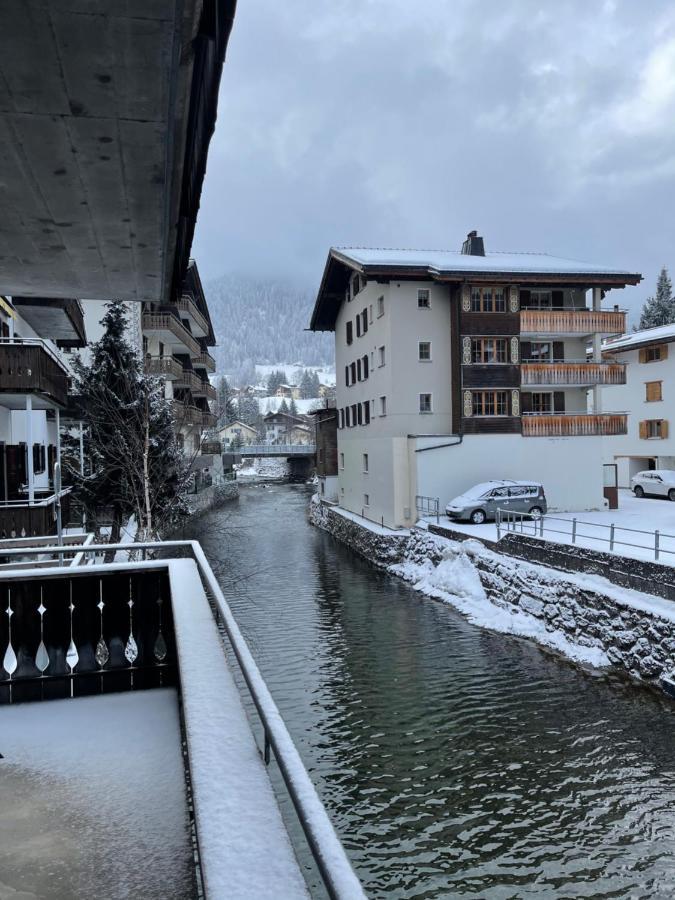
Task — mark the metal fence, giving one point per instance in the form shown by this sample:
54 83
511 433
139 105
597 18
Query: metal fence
276 450
428 506
332 862
576 531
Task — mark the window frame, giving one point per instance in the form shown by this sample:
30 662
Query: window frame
423 302
480 304
366 463
383 405
382 356
421 358
380 306
482 345
492 393
349 332
426 412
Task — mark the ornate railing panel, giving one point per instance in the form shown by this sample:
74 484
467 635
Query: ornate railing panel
572 321
572 373
573 424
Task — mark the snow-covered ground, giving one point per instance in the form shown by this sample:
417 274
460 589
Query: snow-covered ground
272 404
646 515
263 469
92 799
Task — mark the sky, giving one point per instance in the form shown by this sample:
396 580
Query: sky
546 126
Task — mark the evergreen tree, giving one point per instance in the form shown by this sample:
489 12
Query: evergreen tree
225 409
249 410
274 380
292 407
305 385
314 384
283 406
135 464
660 309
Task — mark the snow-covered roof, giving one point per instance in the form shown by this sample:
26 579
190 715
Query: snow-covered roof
662 334
455 261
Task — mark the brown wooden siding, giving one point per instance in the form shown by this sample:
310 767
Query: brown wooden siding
491 376
486 323
491 425
455 358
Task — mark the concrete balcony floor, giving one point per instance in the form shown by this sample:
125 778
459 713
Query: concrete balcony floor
93 801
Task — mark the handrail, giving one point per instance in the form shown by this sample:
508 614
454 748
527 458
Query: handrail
252 449
429 505
45 501
331 859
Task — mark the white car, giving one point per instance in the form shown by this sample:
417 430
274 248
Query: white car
654 482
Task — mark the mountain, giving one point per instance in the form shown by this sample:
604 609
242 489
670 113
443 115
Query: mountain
260 321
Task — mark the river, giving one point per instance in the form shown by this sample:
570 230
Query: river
453 761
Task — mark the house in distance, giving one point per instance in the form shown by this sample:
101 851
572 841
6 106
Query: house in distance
459 367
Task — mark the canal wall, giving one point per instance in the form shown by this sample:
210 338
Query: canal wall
585 617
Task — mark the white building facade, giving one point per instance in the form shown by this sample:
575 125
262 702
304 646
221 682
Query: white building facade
453 369
648 397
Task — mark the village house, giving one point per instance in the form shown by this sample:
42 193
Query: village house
459 367
279 425
238 433
648 397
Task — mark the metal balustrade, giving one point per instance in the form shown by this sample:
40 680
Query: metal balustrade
276 450
428 506
332 862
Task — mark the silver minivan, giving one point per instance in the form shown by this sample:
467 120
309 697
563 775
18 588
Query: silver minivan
481 502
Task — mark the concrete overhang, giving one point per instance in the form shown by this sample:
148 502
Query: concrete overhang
61 320
106 112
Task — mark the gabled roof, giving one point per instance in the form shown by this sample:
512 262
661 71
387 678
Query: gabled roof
663 334
452 266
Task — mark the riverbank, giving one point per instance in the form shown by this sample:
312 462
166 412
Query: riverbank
584 617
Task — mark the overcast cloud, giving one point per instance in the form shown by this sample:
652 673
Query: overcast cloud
545 125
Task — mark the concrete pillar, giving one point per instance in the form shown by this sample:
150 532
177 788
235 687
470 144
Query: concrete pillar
597 298
29 445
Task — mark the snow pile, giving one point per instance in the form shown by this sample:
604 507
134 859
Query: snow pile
270 468
455 580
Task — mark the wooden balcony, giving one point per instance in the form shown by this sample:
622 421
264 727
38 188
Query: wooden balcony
204 389
171 331
166 366
572 321
29 367
205 361
189 380
211 447
187 306
573 424
186 415
209 419
572 373
23 519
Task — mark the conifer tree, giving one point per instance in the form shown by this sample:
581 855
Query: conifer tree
292 407
305 385
283 406
135 464
659 309
226 409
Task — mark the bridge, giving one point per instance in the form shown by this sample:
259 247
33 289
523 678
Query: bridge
285 450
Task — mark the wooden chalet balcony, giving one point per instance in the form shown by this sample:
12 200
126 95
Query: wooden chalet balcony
171 330
204 389
20 518
185 414
204 360
30 367
167 366
573 424
187 306
572 321
209 419
211 447
572 373
188 379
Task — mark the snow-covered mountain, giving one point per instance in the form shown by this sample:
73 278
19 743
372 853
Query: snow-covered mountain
263 321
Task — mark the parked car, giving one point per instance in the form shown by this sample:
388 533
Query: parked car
654 482
481 502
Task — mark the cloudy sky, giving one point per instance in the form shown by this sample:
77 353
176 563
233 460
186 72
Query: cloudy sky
545 125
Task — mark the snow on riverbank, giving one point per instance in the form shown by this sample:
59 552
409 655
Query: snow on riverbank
263 469
455 581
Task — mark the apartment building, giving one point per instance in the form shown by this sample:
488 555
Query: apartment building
648 397
457 367
34 388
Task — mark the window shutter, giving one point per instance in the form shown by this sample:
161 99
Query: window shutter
557 298
664 351
558 350
559 401
664 428
643 431
643 355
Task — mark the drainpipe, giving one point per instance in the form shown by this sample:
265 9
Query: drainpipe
29 446
440 446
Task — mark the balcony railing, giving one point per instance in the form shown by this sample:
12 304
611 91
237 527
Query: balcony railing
173 325
163 365
204 360
573 424
189 307
31 367
188 379
209 447
572 373
204 389
185 414
21 518
572 321
209 419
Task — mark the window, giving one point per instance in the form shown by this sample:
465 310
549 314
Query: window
383 406
542 402
488 299
654 429
423 299
381 353
424 351
342 460
365 462
366 499
489 403
358 370
355 285
348 332
359 413
489 350
653 354
347 381
347 417
364 321
354 419
380 306
352 372
39 460
364 366
341 418
370 313
372 359
539 351
653 391
358 325
366 412
425 403
541 300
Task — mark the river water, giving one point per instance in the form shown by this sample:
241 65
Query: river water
453 761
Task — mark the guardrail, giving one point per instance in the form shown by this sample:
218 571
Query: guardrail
428 506
276 449
508 521
331 859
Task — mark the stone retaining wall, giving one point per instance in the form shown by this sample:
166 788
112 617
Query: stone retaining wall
635 631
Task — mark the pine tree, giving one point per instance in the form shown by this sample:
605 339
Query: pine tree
249 411
305 385
283 406
292 407
660 309
225 409
135 464
314 384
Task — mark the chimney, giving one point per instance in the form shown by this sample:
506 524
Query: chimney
473 245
